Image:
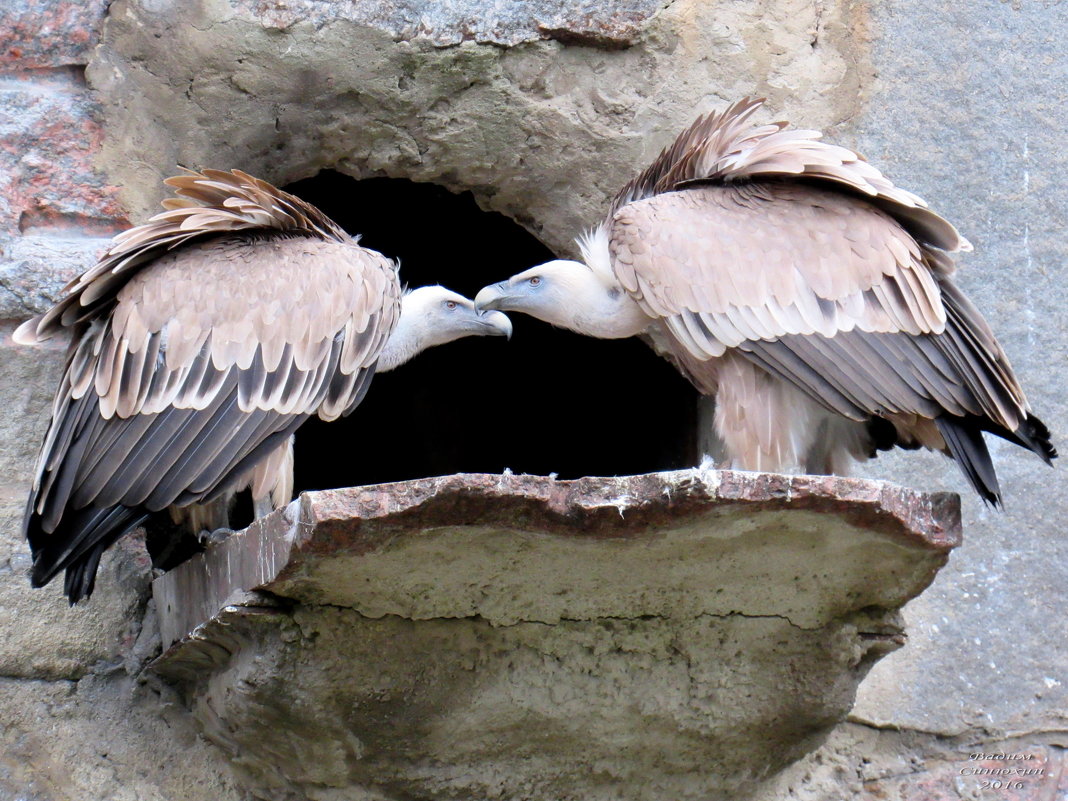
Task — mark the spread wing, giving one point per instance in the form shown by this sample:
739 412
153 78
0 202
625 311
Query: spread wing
192 361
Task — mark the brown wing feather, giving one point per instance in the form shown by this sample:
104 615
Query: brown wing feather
758 261
821 289
213 202
727 148
764 244
194 367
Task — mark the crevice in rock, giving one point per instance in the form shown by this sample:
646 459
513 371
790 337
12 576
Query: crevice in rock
562 620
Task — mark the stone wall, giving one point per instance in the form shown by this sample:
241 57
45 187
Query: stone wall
76 723
542 110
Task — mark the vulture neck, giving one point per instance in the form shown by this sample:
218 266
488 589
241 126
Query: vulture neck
416 330
410 337
598 308
598 305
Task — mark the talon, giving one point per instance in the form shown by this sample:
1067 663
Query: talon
209 539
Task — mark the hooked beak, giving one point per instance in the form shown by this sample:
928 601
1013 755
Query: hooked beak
494 296
497 322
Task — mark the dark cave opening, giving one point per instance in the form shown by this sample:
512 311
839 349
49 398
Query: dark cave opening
548 401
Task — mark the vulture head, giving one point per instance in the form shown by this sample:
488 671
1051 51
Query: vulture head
571 295
434 315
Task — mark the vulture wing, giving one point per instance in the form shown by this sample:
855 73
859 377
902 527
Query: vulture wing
728 148
837 282
201 341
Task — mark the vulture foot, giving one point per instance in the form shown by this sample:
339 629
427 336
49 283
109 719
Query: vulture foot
210 539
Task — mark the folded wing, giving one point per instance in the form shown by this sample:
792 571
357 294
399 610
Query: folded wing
766 244
201 341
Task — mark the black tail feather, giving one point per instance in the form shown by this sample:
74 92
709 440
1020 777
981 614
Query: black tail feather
77 545
964 438
1034 435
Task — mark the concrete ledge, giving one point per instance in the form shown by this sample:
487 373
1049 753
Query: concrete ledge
496 636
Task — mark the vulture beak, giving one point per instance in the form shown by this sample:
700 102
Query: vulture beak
497 322
494 296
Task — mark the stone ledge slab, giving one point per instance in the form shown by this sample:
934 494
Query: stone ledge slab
684 634
511 548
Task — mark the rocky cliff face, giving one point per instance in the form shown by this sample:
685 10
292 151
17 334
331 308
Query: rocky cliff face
542 110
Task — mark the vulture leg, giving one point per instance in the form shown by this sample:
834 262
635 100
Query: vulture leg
204 517
838 442
271 482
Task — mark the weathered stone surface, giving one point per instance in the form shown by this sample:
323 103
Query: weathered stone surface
500 22
34 269
542 132
74 726
28 380
44 637
970 116
38 34
330 548
494 636
49 138
103 737
886 765
56 210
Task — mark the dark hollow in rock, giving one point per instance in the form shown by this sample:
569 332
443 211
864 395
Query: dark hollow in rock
548 401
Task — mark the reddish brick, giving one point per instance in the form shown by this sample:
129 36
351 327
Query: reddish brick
48 33
49 137
56 211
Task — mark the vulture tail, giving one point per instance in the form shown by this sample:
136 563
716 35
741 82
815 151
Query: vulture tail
964 438
76 546
1033 435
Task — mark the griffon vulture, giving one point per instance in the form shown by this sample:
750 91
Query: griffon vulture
792 281
200 342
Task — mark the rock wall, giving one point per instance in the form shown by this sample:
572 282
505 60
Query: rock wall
76 724
543 110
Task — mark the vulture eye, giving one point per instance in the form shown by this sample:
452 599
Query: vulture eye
450 304
534 280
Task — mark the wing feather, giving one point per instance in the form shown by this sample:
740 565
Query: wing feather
190 365
212 202
777 283
727 148
805 260
888 334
